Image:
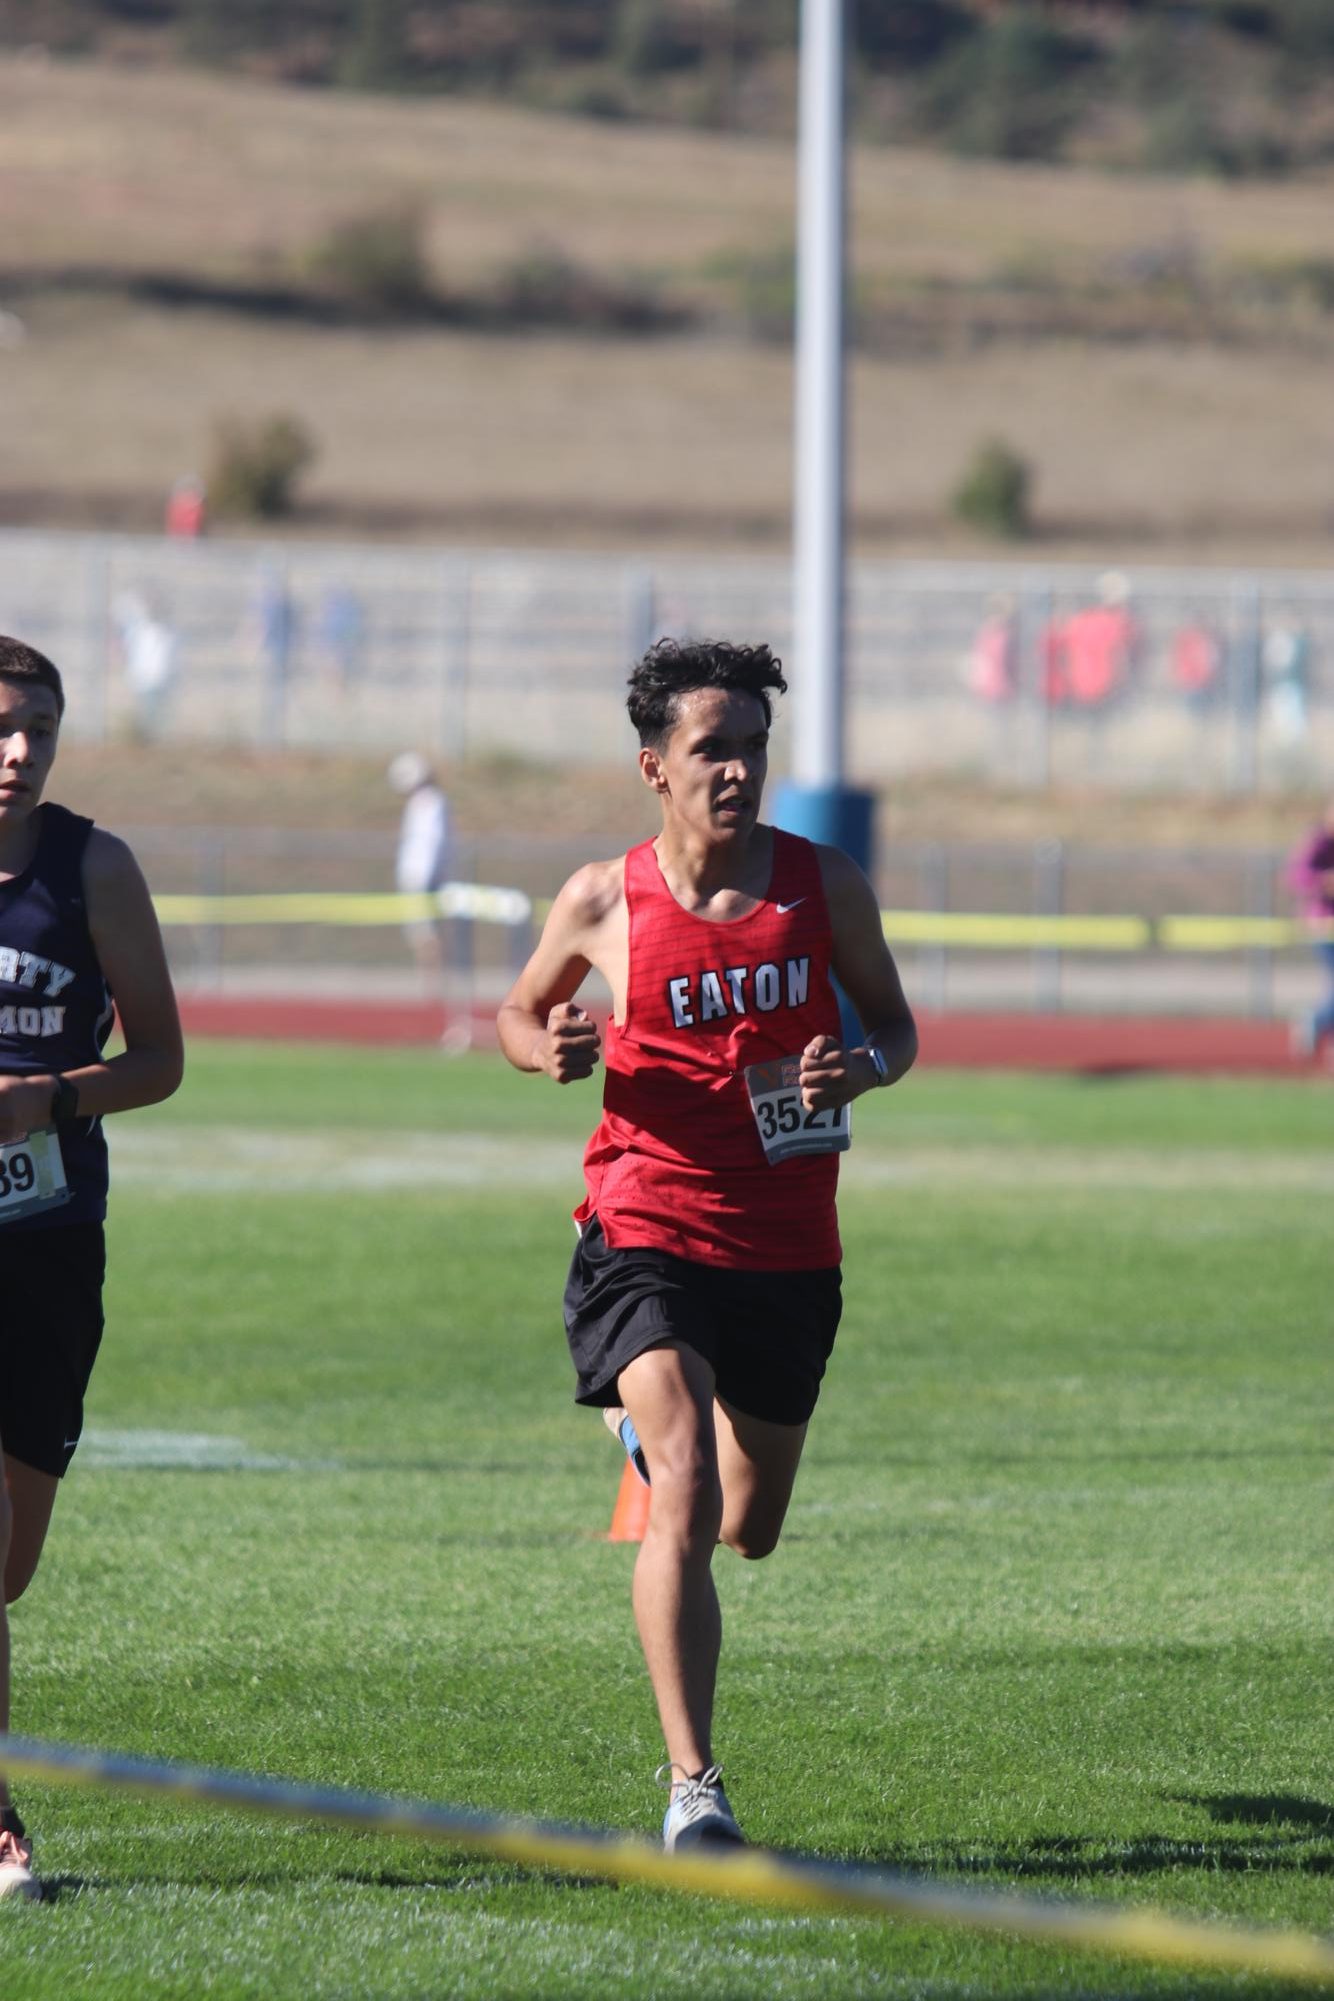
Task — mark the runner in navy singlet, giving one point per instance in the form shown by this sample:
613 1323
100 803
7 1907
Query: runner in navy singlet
704 1293
78 939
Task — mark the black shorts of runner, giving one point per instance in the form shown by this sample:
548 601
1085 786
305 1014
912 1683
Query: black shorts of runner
766 1335
50 1328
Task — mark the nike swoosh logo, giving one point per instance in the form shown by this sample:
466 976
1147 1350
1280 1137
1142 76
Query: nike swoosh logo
783 908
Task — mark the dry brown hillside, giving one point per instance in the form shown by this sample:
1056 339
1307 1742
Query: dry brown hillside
129 787
1159 351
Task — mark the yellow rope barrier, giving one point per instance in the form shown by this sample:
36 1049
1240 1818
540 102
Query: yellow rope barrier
1003 932
746 1875
972 930
477 900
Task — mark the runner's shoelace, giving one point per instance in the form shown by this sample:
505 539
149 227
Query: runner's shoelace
692 1799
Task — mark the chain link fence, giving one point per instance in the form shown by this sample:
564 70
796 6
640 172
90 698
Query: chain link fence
1024 674
1040 880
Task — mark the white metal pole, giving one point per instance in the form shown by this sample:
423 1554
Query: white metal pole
818 472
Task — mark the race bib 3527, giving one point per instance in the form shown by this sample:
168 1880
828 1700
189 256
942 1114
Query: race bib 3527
785 1127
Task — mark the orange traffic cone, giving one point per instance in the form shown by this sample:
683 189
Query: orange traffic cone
629 1518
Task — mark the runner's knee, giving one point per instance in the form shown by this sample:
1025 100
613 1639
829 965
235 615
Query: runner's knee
25 1514
18 1571
756 1535
17 1580
687 1496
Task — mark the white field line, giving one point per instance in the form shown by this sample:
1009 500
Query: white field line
247 1159
190 1451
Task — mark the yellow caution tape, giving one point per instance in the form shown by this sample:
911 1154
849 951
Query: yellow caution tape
745 1875
1231 934
1010 933
480 901
971 930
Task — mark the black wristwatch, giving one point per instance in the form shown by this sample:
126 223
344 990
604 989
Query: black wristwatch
64 1101
878 1063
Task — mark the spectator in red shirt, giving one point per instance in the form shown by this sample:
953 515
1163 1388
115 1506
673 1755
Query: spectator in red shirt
1101 645
993 669
1197 664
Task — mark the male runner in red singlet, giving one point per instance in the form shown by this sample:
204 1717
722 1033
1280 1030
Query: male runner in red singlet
704 1294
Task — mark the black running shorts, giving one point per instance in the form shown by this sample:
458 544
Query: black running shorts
766 1335
50 1327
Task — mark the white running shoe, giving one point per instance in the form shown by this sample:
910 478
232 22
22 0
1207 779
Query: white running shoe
16 1877
699 1814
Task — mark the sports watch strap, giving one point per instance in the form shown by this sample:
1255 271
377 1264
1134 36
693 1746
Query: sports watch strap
64 1101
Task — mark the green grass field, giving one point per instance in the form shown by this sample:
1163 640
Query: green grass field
1052 1610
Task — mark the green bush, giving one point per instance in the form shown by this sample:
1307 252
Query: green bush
255 466
575 90
205 32
1011 91
762 285
1183 137
1305 29
376 262
650 38
1306 283
1151 64
376 54
905 34
545 287
993 495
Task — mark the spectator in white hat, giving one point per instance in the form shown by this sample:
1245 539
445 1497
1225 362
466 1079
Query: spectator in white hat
421 867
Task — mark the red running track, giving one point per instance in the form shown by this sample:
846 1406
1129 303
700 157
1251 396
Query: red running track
1098 1044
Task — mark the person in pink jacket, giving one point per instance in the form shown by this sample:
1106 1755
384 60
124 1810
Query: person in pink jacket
1311 875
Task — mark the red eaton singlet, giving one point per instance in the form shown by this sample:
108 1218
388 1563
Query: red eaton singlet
677 1163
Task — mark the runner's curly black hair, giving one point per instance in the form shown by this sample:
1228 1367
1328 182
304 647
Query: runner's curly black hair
24 663
674 666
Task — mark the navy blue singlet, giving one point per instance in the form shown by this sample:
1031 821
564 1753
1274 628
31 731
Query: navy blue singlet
55 1005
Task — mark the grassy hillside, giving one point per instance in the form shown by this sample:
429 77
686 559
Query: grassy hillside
1232 87
1158 350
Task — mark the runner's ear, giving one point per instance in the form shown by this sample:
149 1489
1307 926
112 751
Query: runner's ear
651 769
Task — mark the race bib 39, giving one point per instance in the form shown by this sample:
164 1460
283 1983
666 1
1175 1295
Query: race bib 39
32 1176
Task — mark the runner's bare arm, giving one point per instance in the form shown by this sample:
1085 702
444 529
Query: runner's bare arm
129 948
832 1075
539 1027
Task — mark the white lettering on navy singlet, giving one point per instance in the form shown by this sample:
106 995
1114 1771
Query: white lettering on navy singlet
24 969
699 997
33 1022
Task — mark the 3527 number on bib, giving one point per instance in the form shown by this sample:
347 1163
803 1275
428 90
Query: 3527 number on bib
32 1176
785 1127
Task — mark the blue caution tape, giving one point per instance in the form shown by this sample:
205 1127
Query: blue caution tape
743 1875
